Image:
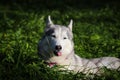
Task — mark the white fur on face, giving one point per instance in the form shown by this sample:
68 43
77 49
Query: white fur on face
60 37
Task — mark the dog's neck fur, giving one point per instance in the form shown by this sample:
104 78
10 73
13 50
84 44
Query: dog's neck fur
51 64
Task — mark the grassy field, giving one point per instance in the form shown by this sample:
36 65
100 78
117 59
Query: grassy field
96 34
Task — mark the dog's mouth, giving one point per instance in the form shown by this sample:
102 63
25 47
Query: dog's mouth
57 53
50 64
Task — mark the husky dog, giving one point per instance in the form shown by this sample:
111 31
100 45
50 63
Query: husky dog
57 48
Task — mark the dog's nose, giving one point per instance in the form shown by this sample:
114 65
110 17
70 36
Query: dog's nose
58 47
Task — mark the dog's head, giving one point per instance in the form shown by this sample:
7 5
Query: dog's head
59 38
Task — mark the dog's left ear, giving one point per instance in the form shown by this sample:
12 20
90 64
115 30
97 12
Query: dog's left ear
70 24
49 22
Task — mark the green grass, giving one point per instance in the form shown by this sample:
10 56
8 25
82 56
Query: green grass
96 34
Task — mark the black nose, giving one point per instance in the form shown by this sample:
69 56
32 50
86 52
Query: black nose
58 47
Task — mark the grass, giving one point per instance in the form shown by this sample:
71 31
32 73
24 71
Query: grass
96 34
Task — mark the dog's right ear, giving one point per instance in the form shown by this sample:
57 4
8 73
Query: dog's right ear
70 24
49 22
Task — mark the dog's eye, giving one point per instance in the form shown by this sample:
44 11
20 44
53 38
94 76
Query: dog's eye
65 38
53 36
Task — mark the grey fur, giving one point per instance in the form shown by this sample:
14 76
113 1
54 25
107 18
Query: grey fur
62 35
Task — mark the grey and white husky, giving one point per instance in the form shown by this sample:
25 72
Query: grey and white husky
57 48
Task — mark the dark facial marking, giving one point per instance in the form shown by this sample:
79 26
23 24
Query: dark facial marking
49 32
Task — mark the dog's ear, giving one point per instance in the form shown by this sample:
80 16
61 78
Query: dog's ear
70 24
49 22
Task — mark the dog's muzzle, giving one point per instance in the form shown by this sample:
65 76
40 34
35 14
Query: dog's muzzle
57 50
